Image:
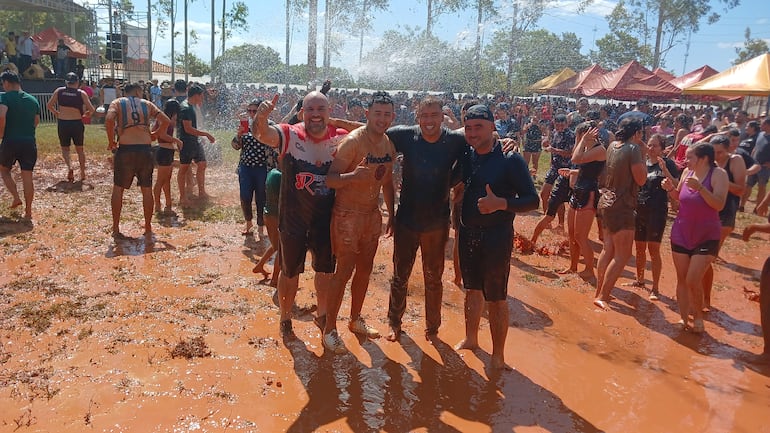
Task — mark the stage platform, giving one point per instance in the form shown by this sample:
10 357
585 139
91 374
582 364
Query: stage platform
41 86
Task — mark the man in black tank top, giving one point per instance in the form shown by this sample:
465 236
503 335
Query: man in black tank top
70 104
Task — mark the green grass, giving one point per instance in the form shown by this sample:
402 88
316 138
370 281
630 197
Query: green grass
96 141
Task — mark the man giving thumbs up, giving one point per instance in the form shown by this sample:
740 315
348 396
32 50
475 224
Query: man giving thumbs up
498 185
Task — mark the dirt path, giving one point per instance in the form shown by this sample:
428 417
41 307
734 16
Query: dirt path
176 334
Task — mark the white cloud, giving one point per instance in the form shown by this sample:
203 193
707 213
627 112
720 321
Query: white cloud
724 45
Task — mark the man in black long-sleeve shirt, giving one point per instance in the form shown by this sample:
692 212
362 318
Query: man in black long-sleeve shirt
497 186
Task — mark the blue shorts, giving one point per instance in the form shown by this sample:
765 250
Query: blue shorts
762 177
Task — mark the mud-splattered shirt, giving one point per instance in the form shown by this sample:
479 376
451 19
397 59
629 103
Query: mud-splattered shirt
305 199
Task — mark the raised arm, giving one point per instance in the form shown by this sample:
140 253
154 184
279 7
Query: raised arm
265 133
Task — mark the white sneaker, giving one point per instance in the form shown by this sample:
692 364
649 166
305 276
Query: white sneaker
333 343
359 326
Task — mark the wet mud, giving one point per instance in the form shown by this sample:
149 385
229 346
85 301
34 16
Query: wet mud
174 332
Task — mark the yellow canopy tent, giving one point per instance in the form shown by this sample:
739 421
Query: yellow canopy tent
750 78
552 80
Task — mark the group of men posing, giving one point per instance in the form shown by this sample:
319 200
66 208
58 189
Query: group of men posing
332 174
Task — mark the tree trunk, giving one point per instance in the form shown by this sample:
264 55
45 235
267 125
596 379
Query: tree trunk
512 52
364 10
658 35
312 42
429 25
327 38
288 40
186 33
477 55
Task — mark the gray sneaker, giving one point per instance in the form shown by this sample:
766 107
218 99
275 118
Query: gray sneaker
333 343
359 326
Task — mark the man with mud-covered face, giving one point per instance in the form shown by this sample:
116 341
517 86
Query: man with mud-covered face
305 207
497 186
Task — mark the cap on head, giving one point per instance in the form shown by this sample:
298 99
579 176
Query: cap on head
560 118
71 78
480 112
194 90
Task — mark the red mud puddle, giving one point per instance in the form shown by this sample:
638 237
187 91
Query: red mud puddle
88 327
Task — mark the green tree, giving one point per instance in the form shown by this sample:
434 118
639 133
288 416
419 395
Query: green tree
440 7
751 48
364 20
249 64
522 17
663 24
235 21
194 65
540 54
618 48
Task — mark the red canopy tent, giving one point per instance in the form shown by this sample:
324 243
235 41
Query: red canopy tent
48 39
693 77
629 82
662 73
577 80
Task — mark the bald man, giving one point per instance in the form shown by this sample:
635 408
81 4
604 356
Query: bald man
305 207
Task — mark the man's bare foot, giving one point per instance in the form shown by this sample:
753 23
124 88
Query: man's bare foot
70 176
567 271
497 363
16 203
273 283
260 269
394 334
467 344
602 303
117 235
202 196
635 283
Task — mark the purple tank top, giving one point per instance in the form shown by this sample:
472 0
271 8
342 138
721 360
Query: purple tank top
696 222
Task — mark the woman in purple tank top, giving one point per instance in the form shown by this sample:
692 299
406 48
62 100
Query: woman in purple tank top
701 192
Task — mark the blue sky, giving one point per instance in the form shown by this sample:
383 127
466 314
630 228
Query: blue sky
713 44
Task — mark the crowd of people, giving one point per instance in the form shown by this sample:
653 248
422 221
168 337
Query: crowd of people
320 168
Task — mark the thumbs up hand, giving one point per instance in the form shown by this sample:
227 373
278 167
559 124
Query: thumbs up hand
490 203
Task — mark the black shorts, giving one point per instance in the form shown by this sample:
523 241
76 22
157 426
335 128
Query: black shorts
533 146
551 175
728 213
584 198
21 150
650 223
164 157
485 260
71 131
296 243
707 248
133 161
559 195
192 151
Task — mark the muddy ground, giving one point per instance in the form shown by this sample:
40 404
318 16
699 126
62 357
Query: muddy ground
177 334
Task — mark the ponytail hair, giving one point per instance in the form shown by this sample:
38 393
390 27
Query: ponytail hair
628 127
